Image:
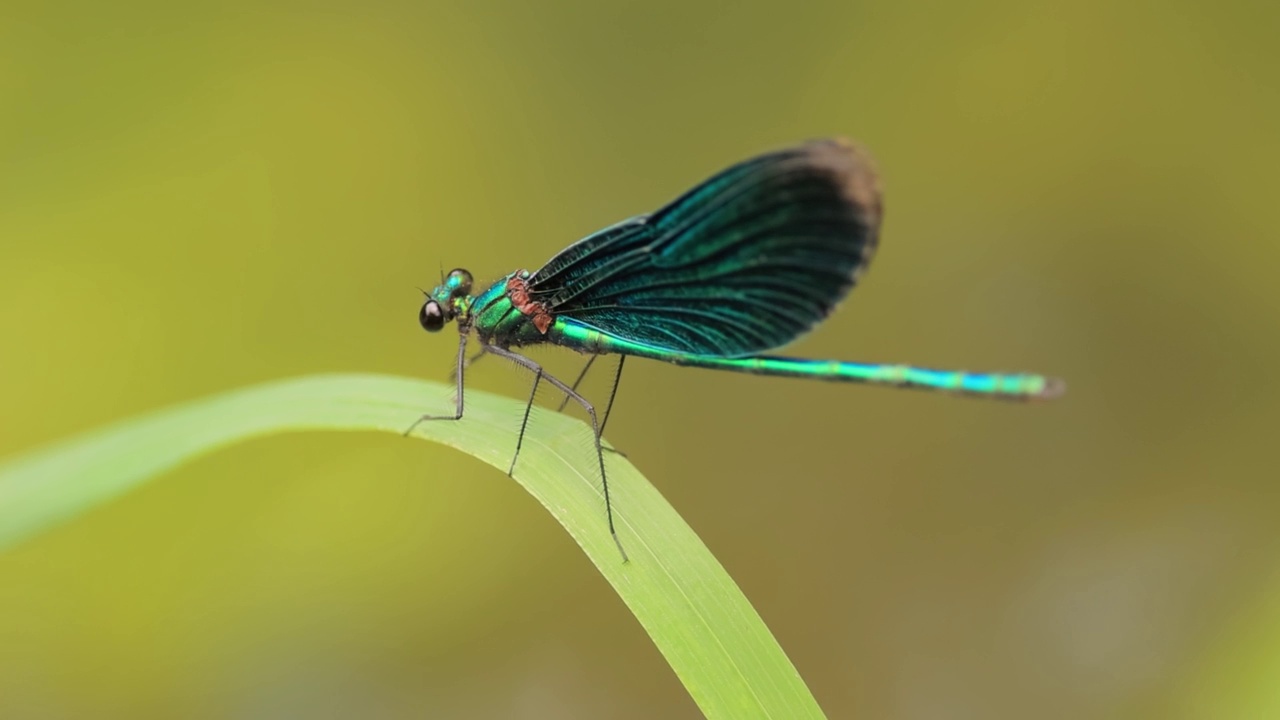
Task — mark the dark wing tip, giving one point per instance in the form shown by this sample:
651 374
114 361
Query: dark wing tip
851 165
851 168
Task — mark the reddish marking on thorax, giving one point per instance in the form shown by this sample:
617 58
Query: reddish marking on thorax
518 291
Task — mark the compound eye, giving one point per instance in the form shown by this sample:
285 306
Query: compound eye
431 316
460 280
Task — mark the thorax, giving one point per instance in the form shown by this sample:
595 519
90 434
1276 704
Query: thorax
505 314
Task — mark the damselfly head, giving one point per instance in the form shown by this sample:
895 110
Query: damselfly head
446 301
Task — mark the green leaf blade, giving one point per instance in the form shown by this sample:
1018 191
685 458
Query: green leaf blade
694 612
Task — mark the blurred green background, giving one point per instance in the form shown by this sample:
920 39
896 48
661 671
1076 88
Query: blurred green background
194 198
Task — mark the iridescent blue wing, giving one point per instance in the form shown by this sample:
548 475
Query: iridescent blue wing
743 263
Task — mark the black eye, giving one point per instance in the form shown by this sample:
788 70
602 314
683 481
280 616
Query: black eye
461 281
431 317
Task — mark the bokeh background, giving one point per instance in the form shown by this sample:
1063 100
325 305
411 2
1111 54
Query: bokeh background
196 197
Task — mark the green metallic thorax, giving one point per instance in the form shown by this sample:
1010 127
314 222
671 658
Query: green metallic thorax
492 314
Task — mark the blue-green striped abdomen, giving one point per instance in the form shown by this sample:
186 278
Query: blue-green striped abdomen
1004 385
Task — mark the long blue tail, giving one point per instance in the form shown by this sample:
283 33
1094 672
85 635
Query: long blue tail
1010 386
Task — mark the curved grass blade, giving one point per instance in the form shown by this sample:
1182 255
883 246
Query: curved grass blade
694 612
